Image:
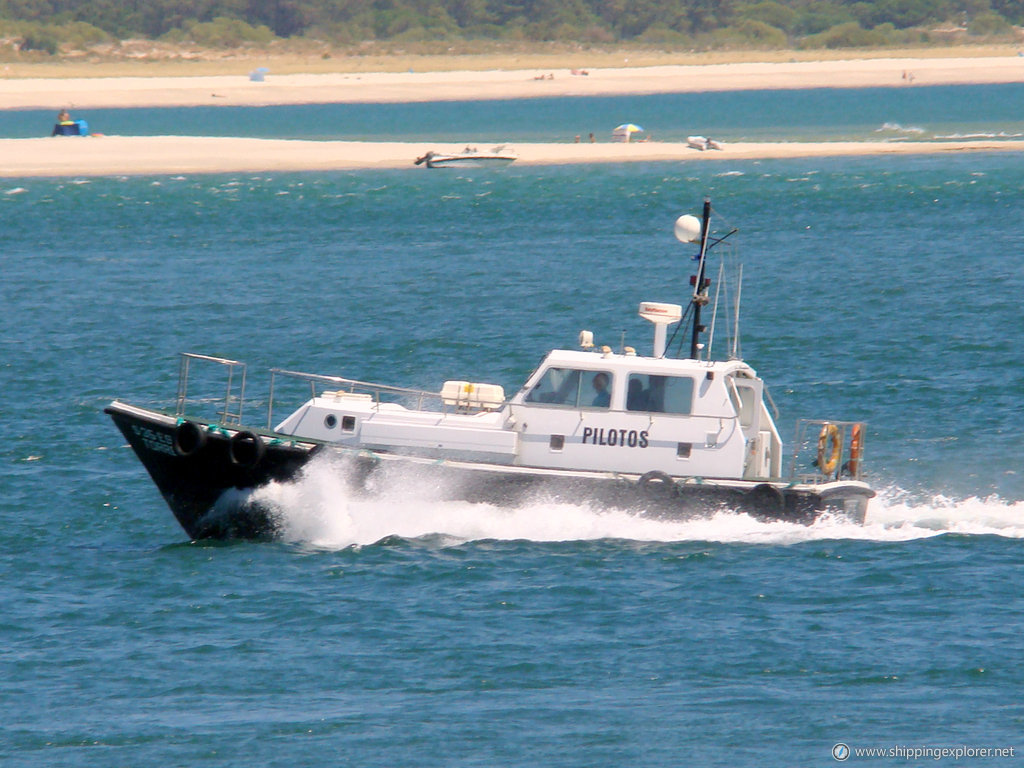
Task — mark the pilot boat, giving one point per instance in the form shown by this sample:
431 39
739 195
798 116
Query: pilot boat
660 435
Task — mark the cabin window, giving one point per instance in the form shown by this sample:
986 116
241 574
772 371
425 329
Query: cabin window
573 388
659 394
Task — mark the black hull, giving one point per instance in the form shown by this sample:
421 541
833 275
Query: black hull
195 467
192 477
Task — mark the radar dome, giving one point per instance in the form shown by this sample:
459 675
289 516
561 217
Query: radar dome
687 229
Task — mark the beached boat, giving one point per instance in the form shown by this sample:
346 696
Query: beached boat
702 143
471 156
669 436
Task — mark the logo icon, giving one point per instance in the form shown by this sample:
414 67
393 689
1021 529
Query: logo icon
841 752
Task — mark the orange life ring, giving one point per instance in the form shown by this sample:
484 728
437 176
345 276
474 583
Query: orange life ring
830 447
856 449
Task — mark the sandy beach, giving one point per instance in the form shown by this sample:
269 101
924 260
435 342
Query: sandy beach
381 87
126 155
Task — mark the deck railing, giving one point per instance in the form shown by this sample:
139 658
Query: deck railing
414 399
458 396
231 410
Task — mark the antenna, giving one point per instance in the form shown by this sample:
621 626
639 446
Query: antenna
688 229
714 312
687 232
734 354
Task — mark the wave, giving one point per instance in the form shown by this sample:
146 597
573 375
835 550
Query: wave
983 135
897 128
320 510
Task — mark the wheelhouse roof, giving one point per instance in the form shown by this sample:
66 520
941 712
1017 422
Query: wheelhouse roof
598 360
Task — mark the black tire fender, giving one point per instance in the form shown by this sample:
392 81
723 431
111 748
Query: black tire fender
189 439
766 499
246 449
657 485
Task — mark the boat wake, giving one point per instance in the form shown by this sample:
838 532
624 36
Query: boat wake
321 510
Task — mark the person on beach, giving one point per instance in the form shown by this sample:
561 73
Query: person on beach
64 126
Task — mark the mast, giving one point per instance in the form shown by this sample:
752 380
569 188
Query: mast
700 296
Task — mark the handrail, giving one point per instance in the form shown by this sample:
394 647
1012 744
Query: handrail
231 411
352 384
228 416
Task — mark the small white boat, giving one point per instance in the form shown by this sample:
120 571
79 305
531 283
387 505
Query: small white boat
702 143
497 156
662 435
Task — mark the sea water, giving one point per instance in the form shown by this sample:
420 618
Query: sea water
413 631
898 113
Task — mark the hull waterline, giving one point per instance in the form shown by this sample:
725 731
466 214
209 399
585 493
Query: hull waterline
206 482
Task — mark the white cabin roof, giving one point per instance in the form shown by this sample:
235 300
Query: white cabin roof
596 359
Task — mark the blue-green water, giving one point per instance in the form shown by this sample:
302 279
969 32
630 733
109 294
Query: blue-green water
825 114
417 632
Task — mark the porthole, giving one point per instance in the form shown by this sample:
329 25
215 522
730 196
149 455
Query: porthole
330 421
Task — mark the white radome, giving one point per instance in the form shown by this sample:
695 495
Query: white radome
687 228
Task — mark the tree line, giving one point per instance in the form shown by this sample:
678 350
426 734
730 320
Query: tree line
44 24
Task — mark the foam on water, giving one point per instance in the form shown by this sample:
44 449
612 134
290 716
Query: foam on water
320 509
898 128
980 135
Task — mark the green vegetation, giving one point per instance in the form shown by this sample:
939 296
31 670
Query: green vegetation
53 25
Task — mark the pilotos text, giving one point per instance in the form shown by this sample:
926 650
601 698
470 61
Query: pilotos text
626 438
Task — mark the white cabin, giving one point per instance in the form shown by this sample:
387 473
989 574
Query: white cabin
580 410
624 413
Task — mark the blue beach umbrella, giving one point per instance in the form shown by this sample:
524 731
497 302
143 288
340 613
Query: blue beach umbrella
629 128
